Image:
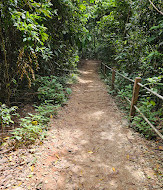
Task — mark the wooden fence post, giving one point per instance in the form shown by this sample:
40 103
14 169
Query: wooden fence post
135 96
113 78
104 70
101 66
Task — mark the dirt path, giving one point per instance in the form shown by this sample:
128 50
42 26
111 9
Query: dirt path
89 146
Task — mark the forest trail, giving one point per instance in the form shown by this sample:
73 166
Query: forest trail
89 146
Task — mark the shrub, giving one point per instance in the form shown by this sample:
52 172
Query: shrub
51 89
32 128
6 116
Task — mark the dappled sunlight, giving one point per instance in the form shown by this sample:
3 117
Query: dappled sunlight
89 148
93 86
107 135
95 115
137 173
83 81
85 72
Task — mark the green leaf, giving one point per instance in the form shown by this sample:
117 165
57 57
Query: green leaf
152 102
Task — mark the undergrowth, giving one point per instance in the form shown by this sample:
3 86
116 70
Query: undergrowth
147 103
52 92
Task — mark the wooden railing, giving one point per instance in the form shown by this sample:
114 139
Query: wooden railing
135 94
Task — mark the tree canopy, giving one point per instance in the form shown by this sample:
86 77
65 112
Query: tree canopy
46 37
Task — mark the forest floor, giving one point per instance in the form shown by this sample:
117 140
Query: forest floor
89 147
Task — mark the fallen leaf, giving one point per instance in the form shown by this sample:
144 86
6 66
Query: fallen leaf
6 138
90 152
113 169
101 179
51 116
34 122
19 184
128 156
32 168
160 148
57 156
56 161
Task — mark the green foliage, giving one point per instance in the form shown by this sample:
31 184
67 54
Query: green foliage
129 37
47 37
33 127
30 130
53 94
148 104
148 108
51 89
126 91
72 78
47 109
6 114
6 117
38 37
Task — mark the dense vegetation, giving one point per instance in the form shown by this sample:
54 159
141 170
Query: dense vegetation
41 42
128 36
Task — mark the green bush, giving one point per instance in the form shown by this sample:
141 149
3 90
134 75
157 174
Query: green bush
53 94
29 131
47 109
51 88
6 116
31 128
148 109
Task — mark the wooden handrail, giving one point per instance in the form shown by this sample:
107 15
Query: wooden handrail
118 73
149 90
160 135
138 110
125 77
137 85
143 86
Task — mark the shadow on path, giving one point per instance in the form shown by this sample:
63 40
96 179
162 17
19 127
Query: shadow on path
89 146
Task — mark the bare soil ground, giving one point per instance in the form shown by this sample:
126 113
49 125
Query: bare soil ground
89 147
